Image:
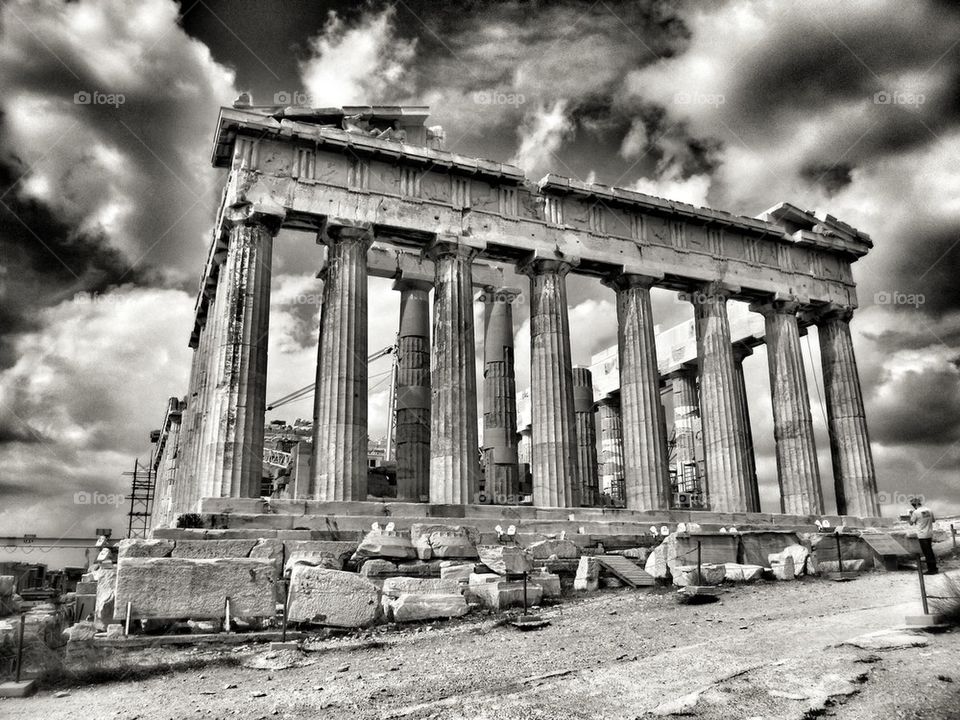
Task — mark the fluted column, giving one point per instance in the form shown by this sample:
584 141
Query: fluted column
185 492
339 469
583 406
554 441
686 416
454 440
740 352
853 470
799 475
413 391
611 444
234 457
523 456
500 438
645 459
726 465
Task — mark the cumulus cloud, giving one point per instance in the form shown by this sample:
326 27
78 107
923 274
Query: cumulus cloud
358 64
541 135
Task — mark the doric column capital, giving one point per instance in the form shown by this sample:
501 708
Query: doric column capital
741 351
401 284
268 215
702 293
610 400
453 246
536 264
687 369
492 294
344 231
776 307
627 280
824 313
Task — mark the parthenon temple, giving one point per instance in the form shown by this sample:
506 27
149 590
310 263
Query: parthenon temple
395 204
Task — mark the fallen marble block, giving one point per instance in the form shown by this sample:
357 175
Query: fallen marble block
411 607
332 597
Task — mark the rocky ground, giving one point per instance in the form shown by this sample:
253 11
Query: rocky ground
805 649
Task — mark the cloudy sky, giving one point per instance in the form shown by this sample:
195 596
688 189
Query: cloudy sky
107 196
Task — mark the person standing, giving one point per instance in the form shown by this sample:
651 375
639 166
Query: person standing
922 517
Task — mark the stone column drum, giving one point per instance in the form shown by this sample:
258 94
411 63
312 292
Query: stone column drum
500 438
726 464
611 444
554 441
413 391
800 489
233 462
853 470
583 407
645 460
339 469
740 352
454 439
686 422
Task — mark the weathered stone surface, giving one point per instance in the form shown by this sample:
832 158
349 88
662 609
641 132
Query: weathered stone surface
384 544
686 575
269 549
783 569
506 593
196 588
482 578
588 574
209 549
396 586
802 560
339 549
106 596
444 541
377 567
637 554
743 573
831 566
549 582
420 568
547 549
456 571
332 597
131 547
503 559
314 559
411 607
7 585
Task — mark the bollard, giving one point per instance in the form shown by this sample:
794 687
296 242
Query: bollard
20 645
923 586
699 571
839 553
953 531
286 608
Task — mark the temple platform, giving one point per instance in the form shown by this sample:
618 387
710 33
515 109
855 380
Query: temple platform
308 519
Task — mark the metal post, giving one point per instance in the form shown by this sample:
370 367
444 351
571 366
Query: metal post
699 571
839 553
923 586
126 624
286 608
20 646
524 592
226 623
953 531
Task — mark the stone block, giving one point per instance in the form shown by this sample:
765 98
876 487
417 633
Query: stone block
783 569
376 567
756 547
549 582
483 578
394 544
341 550
396 586
832 566
802 560
131 547
505 559
506 593
553 549
413 607
332 597
456 571
196 588
709 574
86 588
211 549
743 573
106 596
444 541
7 585
269 549
588 574
420 568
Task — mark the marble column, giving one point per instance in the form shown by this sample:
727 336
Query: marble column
523 456
725 462
686 423
339 470
740 352
583 406
853 471
799 475
645 459
233 462
185 492
413 391
500 438
554 442
454 439
611 445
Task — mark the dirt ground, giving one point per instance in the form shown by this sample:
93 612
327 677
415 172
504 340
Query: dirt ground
768 650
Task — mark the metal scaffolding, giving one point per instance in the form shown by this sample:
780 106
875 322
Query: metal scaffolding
142 484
